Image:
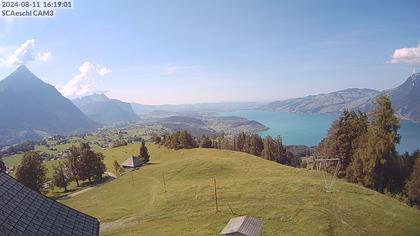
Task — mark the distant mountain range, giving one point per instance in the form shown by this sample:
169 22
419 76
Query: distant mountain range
405 100
191 109
211 125
29 107
104 110
329 103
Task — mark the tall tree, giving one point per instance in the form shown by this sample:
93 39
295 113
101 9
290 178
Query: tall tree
144 153
156 139
376 150
274 150
256 145
84 164
343 137
72 163
60 178
179 140
90 163
31 172
2 166
205 142
117 168
413 185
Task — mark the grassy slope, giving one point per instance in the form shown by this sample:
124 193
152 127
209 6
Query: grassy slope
289 200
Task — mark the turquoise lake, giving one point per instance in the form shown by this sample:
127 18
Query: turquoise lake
311 129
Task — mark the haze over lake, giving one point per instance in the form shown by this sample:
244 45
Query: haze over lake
311 129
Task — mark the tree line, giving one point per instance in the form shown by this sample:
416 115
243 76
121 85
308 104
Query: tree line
268 148
81 164
366 147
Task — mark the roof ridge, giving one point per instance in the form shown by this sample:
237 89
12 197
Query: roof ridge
45 197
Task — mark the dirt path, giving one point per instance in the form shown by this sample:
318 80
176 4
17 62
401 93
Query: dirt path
112 175
76 193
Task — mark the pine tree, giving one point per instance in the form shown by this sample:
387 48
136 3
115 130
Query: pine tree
2 166
144 153
274 150
413 185
376 149
31 172
343 137
205 142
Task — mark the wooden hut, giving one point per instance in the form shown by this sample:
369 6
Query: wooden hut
243 226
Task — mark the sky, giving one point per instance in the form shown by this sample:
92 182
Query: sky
179 51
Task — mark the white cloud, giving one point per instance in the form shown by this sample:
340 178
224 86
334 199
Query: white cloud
410 56
44 56
24 54
174 69
82 84
102 71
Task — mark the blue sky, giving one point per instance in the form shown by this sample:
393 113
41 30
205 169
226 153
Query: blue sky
173 52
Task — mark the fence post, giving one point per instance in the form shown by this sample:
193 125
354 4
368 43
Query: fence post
164 182
215 194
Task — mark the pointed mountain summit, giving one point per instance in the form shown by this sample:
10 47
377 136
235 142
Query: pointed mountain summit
104 110
406 98
23 76
29 105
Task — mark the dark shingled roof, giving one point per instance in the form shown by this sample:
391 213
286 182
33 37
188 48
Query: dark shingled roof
26 212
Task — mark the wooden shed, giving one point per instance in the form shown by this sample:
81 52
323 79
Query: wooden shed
133 162
243 226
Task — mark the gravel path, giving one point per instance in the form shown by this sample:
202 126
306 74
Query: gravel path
112 175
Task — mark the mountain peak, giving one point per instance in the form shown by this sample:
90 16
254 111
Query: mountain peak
22 69
96 97
22 73
415 76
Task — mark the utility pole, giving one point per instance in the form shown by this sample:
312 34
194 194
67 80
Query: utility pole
132 179
215 195
164 182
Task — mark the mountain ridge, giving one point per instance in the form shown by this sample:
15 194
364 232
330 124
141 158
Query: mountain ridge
104 110
405 100
29 105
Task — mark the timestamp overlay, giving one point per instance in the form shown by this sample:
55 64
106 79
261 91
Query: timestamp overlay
33 8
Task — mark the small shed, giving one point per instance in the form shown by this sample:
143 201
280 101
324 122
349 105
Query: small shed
133 162
243 226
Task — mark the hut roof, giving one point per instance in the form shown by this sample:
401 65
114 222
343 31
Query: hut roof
26 212
133 162
246 225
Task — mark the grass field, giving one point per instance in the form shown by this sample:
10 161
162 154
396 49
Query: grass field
290 201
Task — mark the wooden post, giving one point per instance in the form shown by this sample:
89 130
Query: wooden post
132 179
164 182
215 194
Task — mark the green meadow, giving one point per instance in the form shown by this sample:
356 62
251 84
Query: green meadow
174 195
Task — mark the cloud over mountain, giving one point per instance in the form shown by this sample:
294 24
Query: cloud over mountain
410 56
83 83
24 54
